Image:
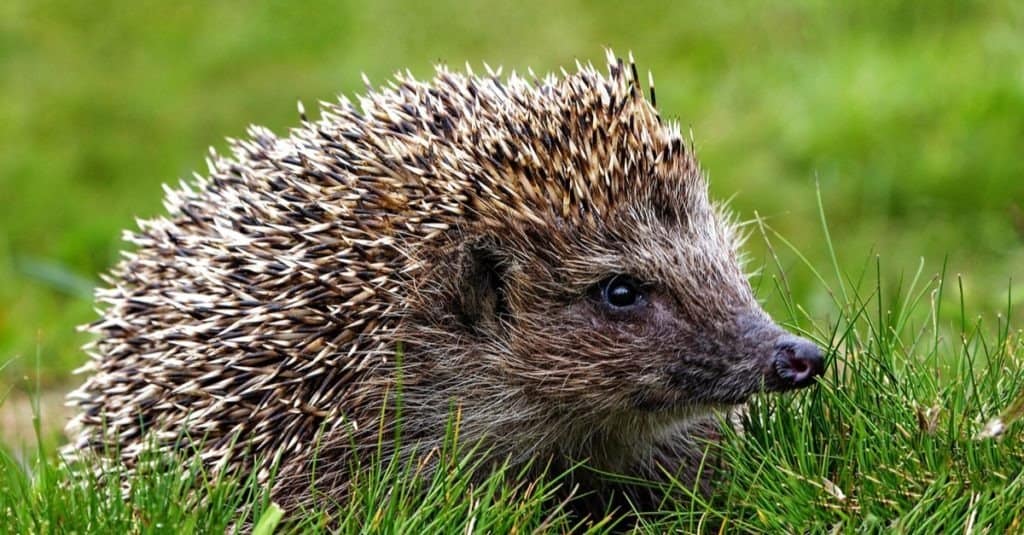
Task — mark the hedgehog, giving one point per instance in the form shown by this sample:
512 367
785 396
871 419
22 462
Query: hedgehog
540 253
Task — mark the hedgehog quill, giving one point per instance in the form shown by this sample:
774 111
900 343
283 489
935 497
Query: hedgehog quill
543 250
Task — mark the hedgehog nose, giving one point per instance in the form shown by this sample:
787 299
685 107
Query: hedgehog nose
797 362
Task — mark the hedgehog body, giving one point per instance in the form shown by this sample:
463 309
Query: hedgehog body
541 253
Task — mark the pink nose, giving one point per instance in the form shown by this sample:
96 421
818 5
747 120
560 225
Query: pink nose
798 362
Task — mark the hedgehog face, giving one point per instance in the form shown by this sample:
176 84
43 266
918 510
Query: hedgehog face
639 314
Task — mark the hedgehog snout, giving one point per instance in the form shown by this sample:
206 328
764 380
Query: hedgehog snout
796 362
787 361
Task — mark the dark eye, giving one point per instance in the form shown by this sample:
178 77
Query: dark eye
621 291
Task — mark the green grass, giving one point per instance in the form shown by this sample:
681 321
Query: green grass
177 495
44 497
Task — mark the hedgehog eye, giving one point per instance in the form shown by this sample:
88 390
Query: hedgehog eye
620 292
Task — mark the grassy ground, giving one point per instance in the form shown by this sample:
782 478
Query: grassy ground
907 114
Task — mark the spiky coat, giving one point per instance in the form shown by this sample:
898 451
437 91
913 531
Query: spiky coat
261 318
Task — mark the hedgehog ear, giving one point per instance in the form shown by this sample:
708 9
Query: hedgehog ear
482 287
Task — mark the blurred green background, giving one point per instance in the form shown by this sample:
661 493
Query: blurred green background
910 116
